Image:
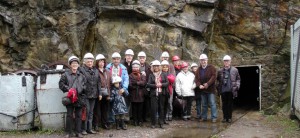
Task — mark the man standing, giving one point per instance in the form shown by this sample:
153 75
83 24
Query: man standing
177 65
117 69
146 71
205 80
228 85
93 88
127 62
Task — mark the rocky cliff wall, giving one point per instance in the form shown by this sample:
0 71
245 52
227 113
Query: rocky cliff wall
35 32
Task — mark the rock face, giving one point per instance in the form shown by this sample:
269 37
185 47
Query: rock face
35 32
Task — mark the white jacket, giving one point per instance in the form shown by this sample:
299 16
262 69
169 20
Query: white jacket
185 85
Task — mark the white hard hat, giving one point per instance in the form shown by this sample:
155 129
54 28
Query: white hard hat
88 56
142 54
194 65
73 58
164 62
227 57
136 62
129 52
99 57
203 56
165 54
155 63
116 55
116 79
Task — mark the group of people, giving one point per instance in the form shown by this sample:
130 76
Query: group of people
133 90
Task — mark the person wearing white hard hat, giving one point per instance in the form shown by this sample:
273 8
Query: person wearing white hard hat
194 67
229 82
145 70
165 56
73 79
127 61
119 108
185 86
205 81
101 106
93 91
158 84
171 79
137 83
197 98
117 69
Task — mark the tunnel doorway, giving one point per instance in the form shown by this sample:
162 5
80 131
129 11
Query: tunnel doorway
249 95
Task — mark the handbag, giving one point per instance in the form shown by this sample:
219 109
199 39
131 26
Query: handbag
104 91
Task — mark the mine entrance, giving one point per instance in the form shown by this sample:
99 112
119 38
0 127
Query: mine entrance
249 95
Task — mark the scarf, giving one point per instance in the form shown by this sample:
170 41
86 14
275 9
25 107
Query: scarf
136 74
158 82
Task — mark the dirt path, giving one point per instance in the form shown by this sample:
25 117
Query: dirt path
245 124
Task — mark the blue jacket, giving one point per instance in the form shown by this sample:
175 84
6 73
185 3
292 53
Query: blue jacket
124 76
118 102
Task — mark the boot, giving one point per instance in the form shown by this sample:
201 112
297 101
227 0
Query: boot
123 125
117 124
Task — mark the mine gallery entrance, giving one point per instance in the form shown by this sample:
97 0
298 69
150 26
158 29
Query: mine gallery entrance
249 95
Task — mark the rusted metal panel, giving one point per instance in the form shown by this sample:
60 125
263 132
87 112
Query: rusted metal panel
51 110
17 104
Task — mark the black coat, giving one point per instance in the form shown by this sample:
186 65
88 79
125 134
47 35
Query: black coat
164 81
69 80
93 82
137 88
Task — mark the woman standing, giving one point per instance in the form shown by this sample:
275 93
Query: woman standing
73 82
185 88
158 84
171 78
137 83
101 106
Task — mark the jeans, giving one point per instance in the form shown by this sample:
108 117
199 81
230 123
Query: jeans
209 98
87 125
170 107
198 107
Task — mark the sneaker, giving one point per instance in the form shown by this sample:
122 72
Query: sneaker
152 126
224 120
229 121
184 119
84 133
166 123
161 126
214 120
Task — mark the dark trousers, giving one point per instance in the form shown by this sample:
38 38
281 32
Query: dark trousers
137 111
188 106
158 106
97 114
70 122
101 112
227 103
146 107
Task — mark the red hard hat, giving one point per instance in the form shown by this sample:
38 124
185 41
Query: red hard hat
175 58
184 64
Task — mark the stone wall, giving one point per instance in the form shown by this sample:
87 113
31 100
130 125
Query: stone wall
35 32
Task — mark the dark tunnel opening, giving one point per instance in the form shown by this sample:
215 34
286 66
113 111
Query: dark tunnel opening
249 93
